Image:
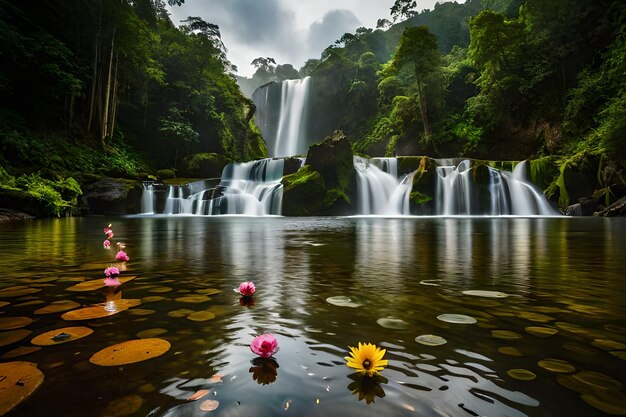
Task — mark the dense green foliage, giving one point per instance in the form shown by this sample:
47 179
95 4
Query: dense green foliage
502 79
113 87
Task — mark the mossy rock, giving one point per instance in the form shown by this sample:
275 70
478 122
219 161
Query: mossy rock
165 174
204 165
408 164
421 199
303 192
543 171
333 159
113 196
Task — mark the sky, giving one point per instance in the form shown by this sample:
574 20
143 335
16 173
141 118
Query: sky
290 31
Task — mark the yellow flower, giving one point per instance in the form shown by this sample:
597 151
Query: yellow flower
367 359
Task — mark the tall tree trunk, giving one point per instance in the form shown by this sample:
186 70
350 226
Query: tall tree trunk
107 94
94 81
114 101
423 109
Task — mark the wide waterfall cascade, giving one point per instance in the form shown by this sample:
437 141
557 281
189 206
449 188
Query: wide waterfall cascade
380 192
250 188
508 193
292 121
147 198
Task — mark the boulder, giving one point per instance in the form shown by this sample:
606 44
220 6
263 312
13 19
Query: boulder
333 160
113 196
303 193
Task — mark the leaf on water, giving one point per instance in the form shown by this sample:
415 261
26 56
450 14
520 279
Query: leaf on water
96 284
193 299
141 312
131 351
12 336
598 380
456 318
342 301
208 291
201 316
608 344
152 299
160 290
20 351
58 307
64 335
18 380
17 291
4 303
505 334
521 374
198 394
392 323
101 310
124 406
431 340
146 334
557 366
10 323
488 294
511 351
541 331
608 402
183 312
209 405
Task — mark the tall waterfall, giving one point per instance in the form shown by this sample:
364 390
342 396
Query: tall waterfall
380 192
249 188
290 138
507 193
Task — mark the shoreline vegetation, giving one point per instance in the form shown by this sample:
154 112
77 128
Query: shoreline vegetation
114 90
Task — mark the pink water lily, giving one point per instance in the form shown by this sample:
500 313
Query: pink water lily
247 289
264 345
122 256
106 244
111 271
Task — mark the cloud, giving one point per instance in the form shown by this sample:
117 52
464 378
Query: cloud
331 27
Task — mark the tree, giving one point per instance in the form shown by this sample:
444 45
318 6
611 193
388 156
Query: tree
417 48
403 9
265 67
178 129
382 24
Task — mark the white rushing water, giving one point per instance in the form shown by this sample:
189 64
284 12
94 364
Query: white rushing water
250 188
290 136
147 198
379 191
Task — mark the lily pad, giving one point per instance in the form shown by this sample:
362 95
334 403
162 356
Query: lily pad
536 317
17 291
160 290
64 335
124 406
342 301
598 380
505 334
96 284
209 405
101 310
12 336
392 323
193 299
488 294
141 312
18 380
456 318
208 291
20 351
183 312
521 374
541 331
201 316
608 344
146 334
511 351
58 307
131 351
557 366
152 299
4 303
431 340
10 323
609 402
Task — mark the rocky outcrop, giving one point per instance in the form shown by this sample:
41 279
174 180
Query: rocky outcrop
204 165
113 196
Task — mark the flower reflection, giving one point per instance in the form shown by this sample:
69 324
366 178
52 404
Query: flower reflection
264 370
246 301
367 387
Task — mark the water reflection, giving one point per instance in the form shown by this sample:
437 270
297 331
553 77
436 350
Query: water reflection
563 278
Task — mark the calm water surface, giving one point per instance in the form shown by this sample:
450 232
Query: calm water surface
566 300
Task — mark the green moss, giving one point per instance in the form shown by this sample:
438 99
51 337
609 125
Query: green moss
166 174
543 171
418 198
304 193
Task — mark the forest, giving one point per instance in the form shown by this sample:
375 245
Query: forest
113 88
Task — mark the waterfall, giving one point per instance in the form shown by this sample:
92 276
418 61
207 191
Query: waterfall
147 198
290 136
507 193
249 188
380 192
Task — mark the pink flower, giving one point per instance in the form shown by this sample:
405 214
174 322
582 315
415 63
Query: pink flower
111 272
121 256
264 345
106 244
112 282
247 289
110 234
